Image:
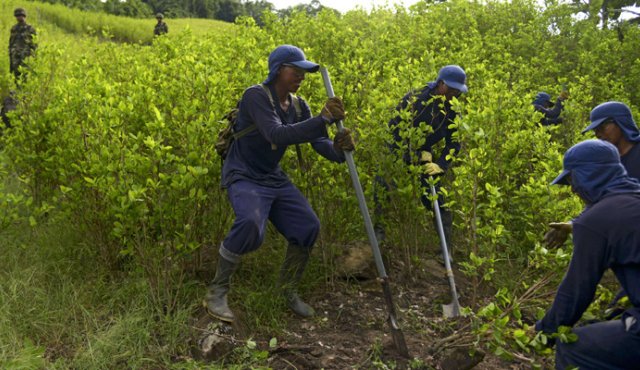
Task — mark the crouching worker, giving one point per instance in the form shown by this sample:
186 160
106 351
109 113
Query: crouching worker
613 122
606 235
258 188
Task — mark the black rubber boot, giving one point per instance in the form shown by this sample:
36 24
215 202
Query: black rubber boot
216 299
292 269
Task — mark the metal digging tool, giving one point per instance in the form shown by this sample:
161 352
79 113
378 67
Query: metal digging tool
398 336
452 309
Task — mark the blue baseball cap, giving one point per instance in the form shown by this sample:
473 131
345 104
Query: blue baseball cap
288 54
620 113
589 155
454 77
542 98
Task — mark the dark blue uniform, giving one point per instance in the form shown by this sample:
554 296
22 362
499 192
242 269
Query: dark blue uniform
438 114
631 161
606 235
257 187
552 115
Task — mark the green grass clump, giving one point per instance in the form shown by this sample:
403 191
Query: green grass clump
61 309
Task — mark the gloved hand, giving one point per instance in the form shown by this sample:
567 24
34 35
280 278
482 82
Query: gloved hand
343 141
564 95
333 110
558 234
426 157
432 169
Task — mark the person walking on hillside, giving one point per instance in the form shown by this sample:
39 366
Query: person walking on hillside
161 27
613 122
606 235
21 43
551 111
259 190
430 105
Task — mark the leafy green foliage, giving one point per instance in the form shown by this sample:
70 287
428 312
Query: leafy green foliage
119 139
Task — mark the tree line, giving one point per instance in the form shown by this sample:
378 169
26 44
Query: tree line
225 10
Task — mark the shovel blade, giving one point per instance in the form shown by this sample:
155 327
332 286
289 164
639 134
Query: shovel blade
398 338
451 310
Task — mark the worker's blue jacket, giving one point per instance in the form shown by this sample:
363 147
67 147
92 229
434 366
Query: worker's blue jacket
253 157
606 235
431 110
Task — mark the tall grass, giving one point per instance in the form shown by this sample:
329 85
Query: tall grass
56 301
117 28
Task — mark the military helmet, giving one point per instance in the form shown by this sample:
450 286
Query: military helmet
159 16
19 11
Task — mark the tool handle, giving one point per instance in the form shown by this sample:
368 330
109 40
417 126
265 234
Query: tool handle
358 187
445 250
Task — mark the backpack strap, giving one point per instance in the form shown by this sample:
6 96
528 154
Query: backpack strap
244 131
298 108
273 105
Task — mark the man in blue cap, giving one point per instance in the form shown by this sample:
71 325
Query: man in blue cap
606 235
430 105
551 111
258 188
613 122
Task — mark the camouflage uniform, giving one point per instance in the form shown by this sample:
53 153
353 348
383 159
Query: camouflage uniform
21 45
161 27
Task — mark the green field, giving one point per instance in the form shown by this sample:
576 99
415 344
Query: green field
110 180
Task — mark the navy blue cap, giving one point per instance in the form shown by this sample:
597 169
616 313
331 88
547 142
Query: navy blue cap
589 154
288 54
454 77
620 114
542 98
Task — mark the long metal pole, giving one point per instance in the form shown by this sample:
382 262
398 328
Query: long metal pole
398 337
368 224
454 306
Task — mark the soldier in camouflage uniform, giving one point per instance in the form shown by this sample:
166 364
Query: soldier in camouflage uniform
21 43
161 27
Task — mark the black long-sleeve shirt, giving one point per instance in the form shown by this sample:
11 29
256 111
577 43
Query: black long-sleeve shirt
434 113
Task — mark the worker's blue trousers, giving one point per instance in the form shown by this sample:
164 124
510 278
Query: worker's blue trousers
253 204
601 346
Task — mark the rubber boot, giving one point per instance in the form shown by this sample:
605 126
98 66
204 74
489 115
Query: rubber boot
216 299
290 274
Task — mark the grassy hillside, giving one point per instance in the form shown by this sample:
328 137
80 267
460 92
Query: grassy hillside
118 28
66 30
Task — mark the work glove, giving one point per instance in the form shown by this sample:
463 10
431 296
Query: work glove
430 168
558 234
333 110
426 157
343 141
564 95
433 169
